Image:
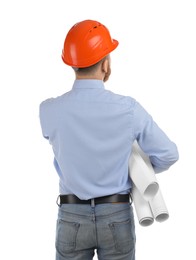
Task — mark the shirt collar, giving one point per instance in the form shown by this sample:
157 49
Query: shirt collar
88 84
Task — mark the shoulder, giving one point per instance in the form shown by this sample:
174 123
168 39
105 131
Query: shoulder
48 106
52 102
121 99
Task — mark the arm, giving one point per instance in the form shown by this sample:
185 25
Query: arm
153 141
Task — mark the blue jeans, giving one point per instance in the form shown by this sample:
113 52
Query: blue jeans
107 228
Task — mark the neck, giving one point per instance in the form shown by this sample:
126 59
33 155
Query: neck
98 74
88 77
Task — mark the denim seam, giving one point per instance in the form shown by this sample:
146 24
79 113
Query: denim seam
112 214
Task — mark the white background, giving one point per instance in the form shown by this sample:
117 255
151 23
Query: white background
155 63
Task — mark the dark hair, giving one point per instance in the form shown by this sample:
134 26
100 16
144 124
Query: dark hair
88 70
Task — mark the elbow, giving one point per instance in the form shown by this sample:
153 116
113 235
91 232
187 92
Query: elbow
174 154
166 161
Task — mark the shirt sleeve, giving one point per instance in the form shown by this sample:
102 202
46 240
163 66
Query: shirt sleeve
153 141
43 120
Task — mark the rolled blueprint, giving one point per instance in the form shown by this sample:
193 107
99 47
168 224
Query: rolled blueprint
142 173
142 208
148 207
158 207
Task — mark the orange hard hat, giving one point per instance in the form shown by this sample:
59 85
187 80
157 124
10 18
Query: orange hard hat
86 43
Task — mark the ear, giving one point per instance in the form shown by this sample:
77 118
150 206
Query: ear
105 65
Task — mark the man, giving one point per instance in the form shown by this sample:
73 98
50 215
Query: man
91 131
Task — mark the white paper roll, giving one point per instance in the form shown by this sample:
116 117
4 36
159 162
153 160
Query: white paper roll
142 173
158 207
142 208
147 197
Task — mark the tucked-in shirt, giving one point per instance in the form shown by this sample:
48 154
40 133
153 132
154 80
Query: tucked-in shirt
92 130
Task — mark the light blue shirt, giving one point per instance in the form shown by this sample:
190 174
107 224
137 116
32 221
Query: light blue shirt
91 131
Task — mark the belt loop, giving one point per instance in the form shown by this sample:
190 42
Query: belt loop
131 197
57 201
92 203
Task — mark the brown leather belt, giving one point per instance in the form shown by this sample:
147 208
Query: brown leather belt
72 199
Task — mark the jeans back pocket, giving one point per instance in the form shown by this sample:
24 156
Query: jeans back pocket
66 234
124 236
